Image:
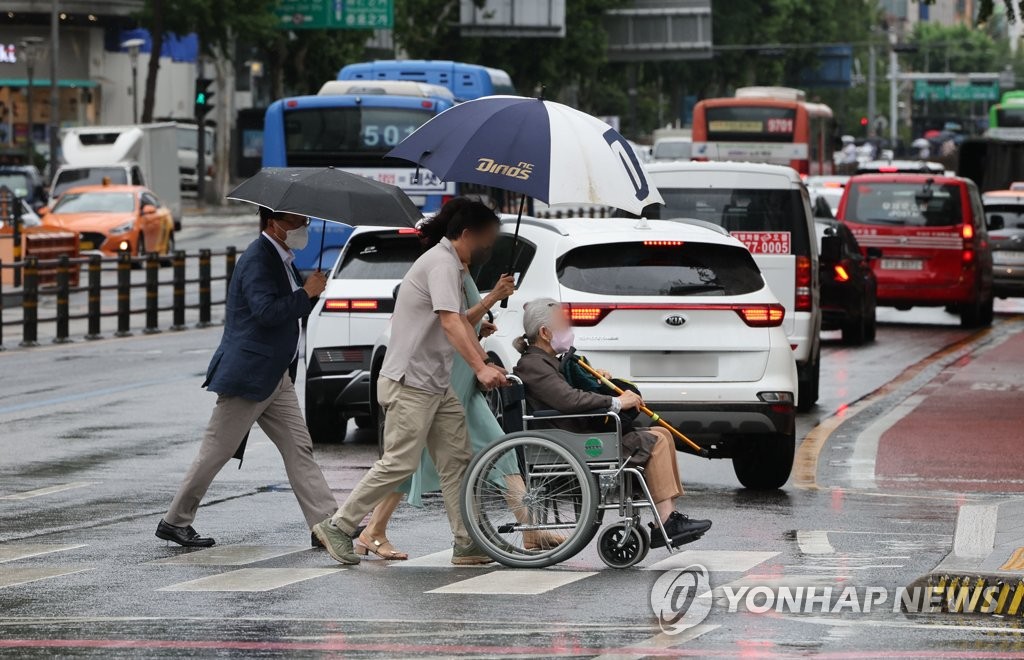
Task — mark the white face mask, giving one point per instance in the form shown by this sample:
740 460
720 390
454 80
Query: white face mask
562 340
297 239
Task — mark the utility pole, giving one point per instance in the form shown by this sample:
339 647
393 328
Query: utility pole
54 89
872 83
894 70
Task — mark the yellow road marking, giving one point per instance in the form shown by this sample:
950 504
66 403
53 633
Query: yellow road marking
1015 562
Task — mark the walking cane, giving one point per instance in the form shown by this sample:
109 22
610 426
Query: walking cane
692 447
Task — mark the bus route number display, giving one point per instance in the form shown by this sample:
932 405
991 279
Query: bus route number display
386 135
779 125
764 242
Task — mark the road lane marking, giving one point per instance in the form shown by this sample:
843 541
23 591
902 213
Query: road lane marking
865 447
814 542
252 579
660 642
1015 562
727 561
773 582
10 577
516 583
441 559
15 551
49 490
230 555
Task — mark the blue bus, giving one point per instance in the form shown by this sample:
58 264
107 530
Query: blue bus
352 126
466 81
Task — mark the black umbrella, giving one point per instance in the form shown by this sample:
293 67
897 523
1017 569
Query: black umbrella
329 194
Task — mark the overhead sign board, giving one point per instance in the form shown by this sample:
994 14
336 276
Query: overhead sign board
512 18
925 90
653 30
336 14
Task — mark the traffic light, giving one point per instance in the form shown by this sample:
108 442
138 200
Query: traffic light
203 96
863 121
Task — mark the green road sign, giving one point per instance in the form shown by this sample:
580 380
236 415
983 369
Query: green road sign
336 14
952 91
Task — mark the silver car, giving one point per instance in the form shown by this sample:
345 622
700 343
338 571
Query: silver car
1004 213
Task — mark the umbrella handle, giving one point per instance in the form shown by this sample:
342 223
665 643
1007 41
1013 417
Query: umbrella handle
515 244
323 235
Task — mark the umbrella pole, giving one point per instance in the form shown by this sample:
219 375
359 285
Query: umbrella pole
515 244
320 259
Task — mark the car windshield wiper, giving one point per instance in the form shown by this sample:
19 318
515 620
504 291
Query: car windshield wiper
684 289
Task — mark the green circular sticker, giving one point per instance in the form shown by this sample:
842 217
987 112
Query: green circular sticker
594 447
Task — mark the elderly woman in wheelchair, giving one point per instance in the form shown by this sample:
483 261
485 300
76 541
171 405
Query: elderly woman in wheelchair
575 461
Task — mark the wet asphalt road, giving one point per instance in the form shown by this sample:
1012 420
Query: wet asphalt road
109 428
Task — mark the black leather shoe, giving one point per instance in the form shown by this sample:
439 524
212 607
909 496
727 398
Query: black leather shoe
680 528
185 536
315 541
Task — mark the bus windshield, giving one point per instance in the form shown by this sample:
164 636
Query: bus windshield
332 134
1010 117
750 123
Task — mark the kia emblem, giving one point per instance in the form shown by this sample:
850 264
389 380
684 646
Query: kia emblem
675 320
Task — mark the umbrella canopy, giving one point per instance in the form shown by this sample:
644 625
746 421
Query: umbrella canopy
541 149
329 194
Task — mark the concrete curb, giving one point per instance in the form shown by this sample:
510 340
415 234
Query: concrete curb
984 572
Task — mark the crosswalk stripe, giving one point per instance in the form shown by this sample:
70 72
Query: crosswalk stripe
728 561
229 555
441 559
10 577
773 582
518 583
15 551
252 579
49 490
814 542
660 642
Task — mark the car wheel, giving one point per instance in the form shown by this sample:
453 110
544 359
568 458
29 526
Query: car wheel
765 463
324 423
871 327
977 314
988 311
808 379
855 331
364 422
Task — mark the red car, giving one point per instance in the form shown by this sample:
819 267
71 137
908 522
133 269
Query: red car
926 239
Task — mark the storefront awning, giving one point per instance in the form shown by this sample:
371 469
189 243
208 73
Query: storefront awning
45 82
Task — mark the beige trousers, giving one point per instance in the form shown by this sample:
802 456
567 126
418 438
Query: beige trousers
415 419
280 418
662 471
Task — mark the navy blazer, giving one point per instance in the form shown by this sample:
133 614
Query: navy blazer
261 326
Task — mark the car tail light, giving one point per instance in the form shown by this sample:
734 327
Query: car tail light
761 316
663 243
803 284
967 231
967 256
841 274
344 305
585 316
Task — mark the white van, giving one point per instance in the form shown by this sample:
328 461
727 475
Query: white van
768 209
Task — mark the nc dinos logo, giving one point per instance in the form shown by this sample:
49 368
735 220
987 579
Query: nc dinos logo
593 447
522 171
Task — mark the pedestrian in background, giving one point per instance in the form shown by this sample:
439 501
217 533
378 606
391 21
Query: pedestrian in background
253 373
422 410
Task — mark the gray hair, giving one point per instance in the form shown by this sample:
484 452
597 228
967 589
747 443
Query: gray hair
536 315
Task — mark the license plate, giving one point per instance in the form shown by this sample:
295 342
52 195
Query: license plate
1008 257
902 264
86 245
678 365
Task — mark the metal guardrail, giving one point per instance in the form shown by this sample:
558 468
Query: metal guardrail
94 288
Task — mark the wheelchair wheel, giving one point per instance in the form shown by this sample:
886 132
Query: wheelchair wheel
619 553
523 490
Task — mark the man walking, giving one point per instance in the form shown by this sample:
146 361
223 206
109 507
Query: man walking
428 326
253 372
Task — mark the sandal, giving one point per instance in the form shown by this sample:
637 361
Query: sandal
542 540
380 547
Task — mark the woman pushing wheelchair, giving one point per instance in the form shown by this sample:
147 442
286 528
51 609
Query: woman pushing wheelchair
548 335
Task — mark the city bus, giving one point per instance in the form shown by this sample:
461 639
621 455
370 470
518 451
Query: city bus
1008 113
765 125
466 81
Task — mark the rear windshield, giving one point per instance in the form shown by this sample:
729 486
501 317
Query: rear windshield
904 204
641 269
86 176
1011 214
751 214
379 256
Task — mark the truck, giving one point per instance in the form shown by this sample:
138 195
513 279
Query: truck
138 155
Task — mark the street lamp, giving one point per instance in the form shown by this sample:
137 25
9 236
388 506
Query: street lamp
32 51
133 46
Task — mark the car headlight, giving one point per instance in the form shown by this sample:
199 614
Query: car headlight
121 229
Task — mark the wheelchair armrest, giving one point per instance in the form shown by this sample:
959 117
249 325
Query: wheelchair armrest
597 412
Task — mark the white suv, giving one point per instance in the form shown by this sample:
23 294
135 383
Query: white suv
768 209
346 321
679 309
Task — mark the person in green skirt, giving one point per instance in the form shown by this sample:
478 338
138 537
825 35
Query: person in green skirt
480 421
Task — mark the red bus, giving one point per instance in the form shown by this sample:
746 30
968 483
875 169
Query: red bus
765 125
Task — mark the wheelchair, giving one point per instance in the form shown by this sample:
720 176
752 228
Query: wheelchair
550 480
